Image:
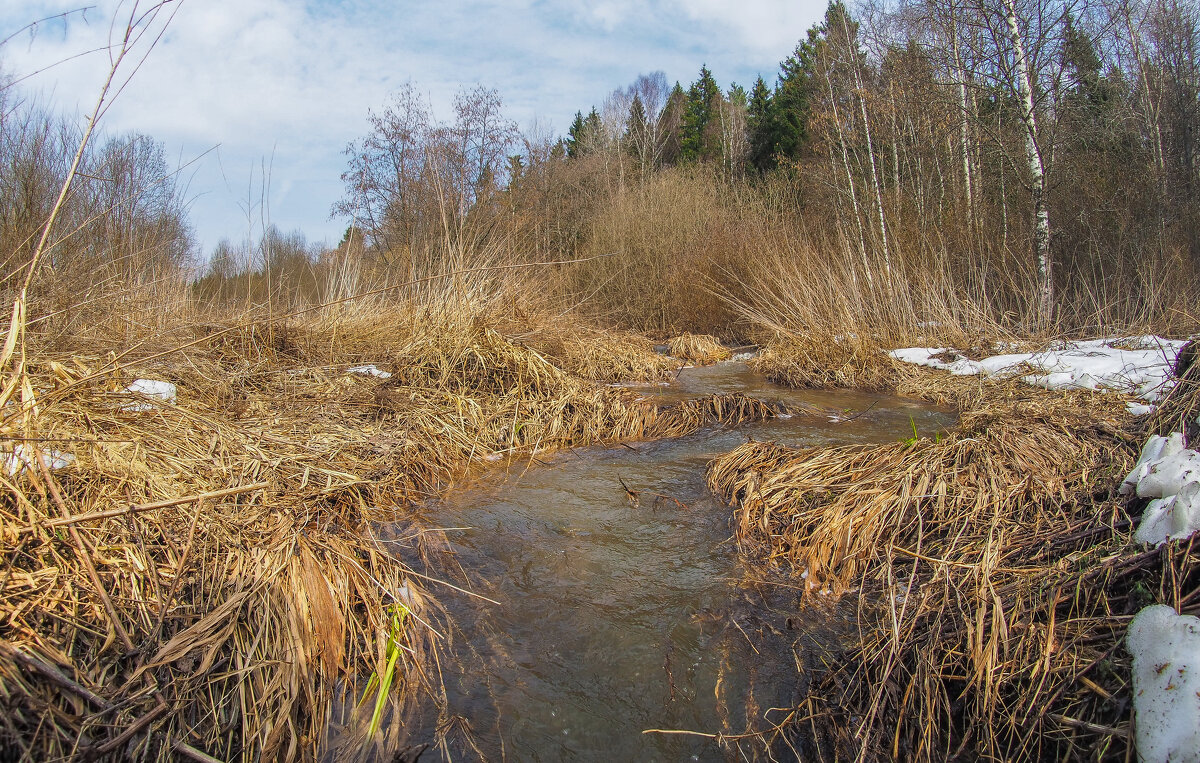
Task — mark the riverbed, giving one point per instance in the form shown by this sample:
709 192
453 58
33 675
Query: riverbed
626 627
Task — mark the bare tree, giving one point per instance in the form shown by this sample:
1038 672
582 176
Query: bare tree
385 181
652 92
480 141
1037 162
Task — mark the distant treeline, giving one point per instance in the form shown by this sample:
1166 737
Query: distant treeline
1025 162
123 223
1041 152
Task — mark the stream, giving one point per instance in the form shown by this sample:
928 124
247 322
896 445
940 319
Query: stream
619 614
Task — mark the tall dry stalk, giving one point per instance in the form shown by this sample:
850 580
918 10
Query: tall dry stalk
13 355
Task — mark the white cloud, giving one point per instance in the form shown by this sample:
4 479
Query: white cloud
759 27
297 77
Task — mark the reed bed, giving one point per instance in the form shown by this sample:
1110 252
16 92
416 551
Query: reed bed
203 577
701 349
993 569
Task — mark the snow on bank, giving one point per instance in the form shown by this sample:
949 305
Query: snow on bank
1165 645
370 370
1166 684
1139 365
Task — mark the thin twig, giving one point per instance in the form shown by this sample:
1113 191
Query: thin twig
130 731
191 753
52 674
134 509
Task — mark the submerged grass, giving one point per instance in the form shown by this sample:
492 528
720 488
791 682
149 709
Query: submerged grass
993 565
204 577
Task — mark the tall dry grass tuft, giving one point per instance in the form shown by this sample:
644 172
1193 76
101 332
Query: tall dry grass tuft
698 348
669 240
993 571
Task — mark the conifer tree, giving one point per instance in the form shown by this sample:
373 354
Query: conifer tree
697 141
575 136
635 124
671 123
758 121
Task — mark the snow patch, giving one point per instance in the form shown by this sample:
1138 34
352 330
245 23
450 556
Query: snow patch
370 370
152 388
1139 409
21 458
1140 365
1166 684
1167 476
1153 453
1176 516
1170 474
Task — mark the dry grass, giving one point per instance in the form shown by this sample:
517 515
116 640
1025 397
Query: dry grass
232 624
668 241
806 363
701 349
994 573
603 356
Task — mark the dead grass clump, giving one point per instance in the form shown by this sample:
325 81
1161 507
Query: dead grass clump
702 349
608 357
197 583
990 564
809 362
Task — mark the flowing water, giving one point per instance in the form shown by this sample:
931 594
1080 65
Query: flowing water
622 605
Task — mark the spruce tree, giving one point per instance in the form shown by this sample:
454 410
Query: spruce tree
671 125
592 130
758 125
575 136
697 142
791 105
635 124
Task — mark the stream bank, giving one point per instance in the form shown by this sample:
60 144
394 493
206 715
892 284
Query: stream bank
997 565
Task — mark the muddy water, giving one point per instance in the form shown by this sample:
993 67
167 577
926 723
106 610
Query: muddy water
619 613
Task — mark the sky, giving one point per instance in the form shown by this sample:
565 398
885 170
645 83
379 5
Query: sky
242 91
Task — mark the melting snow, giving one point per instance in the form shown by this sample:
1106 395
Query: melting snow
1139 409
370 370
1166 684
1165 645
21 457
1140 365
1170 474
160 390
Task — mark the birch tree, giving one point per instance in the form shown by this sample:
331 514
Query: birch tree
1037 164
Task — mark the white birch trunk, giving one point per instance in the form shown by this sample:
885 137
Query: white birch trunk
862 103
837 120
1037 169
964 136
